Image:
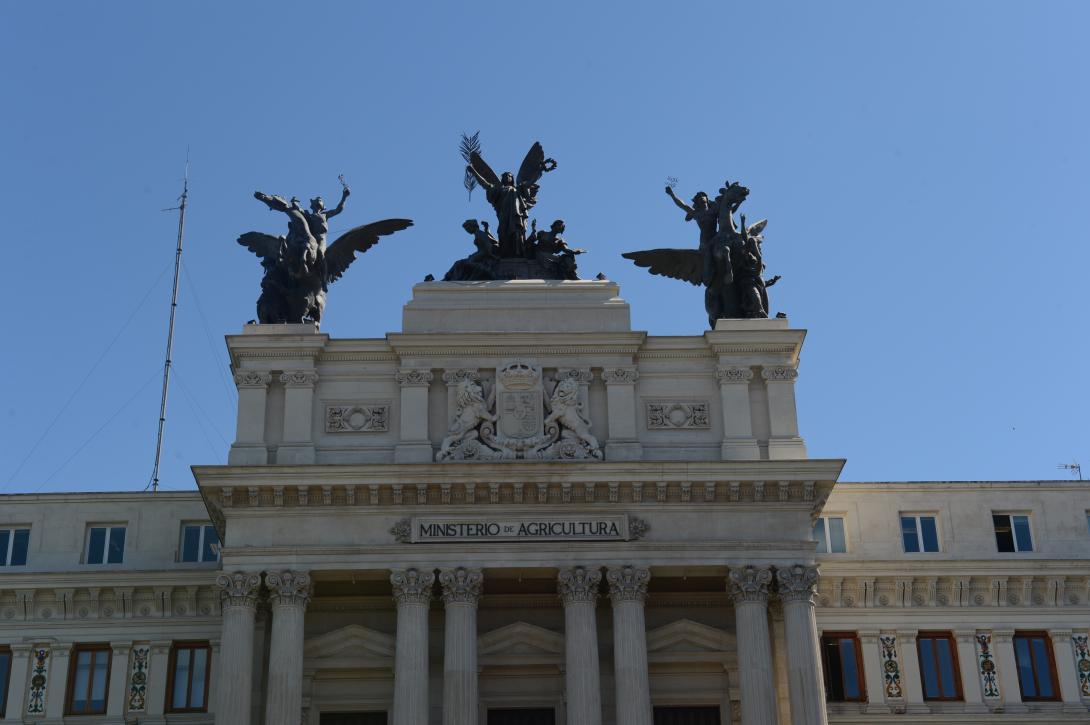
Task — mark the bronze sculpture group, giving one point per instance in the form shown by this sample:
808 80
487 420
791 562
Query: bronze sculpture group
299 267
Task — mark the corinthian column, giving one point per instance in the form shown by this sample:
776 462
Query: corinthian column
289 592
578 589
461 590
412 592
804 679
748 586
628 592
238 603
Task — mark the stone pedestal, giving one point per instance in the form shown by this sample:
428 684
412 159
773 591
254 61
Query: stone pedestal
628 592
238 597
578 589
461 590
804 676
412 592
748 586
289 592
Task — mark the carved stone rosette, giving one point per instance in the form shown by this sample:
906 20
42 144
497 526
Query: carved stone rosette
779 373
620 376
238 589
288 588
299 378
252 379
749 583
578 584
412 586
414 377
797 583
733 374
628 583
461 585
453 377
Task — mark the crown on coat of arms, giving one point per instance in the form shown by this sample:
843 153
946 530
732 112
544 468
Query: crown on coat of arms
518 376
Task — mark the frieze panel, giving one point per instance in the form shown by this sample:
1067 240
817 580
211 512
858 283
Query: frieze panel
985 660
891 665
674 415
39 678
360 418
138 679
436 530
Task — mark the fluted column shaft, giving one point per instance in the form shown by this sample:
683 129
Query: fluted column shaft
238 604
461 590
289 592
804 679
628 592
748 586
578 589
412 592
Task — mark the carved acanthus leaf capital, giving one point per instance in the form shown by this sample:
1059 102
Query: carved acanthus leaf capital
299 378
749 583
620 376
453 377
797 583
414 377
412 586
628 583
238 589
288 588
733 374
578 584
579 375
461 585
252 379
779 373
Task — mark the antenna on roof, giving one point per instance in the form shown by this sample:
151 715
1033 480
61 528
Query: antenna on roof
183 199
1075 467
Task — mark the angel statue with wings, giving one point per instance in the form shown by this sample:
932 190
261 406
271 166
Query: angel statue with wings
512 196
299 267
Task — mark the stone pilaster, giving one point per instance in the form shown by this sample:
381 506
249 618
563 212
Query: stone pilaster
970 675
872 672
238 603
796 586
56 687
1007 664
18 681
461 590
298 444
748 586
623 444
784 441
249 446
289 593
910 672
628 592
158 668
412 592
578 589
1063 651
738 441
414 445
119 680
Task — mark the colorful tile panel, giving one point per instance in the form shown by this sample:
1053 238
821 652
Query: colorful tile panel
985 661
138 678
39 678
891 665
1082 662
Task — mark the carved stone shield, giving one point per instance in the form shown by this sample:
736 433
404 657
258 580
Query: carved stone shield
520 414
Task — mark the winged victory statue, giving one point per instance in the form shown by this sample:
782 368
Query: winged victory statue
300 266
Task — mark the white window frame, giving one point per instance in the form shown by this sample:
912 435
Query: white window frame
916 516
1029 522
200 543
5 556
106 544
828 540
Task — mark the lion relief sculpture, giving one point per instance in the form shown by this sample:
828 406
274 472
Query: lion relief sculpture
572 425
463 437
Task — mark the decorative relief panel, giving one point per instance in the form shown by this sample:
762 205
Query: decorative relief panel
985 660
891 665
362 418
677 415
138 679
39 678
1082 662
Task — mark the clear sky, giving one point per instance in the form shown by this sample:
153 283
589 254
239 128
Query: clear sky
923 166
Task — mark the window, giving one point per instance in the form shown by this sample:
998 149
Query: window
522 716
88 679
1036 667
829 533
13 546
938 666
1012 532
842 662
706 715
199 542
187 680
105 544
919 533
5 676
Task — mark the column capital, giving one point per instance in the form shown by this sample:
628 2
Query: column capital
252 378
578 584
453 376
299 378
1003 635
579 375
749 583
779 373
414 377
238 589
412 586
461 585
288 588
620 376
733 374
797 583
628 583
20 649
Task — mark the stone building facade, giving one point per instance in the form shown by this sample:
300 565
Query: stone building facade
518 510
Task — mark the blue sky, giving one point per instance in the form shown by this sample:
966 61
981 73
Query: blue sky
923 166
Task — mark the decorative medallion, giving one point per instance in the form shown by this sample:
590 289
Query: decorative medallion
672 416
357 418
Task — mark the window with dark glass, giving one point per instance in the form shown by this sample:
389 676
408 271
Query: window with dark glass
5 678
919 533
699 715
14 543
1036 666
829 535
187 678
522 716
105 545
939 666
1012 533
843 666
88 679
199 542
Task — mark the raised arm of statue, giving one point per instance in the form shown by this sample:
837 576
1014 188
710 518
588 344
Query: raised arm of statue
485 183
680 204
340 207
276 203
